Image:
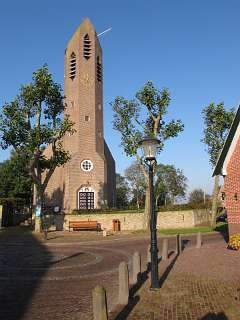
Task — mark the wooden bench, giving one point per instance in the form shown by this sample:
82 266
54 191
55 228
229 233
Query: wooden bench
84 225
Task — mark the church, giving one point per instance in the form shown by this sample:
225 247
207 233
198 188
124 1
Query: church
87 181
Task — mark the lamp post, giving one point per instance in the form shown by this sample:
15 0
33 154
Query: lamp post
149 146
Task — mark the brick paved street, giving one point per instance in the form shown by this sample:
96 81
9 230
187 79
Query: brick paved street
199 284
53 279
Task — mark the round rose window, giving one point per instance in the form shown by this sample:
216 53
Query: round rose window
86 165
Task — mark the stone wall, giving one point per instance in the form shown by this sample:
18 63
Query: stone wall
182 219
128 221
134 221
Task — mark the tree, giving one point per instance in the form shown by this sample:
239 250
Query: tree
170 183
34 121
196 196
122 191
15 181
199 196
143 116
217 122
136 179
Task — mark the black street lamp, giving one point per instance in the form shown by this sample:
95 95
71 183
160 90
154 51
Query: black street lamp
149 146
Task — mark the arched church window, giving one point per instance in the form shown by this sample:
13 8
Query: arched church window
99 70
86 47
86 165
72 66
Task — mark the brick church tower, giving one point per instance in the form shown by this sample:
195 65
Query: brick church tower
87 181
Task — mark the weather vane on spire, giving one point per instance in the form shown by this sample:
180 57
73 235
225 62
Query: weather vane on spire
107 30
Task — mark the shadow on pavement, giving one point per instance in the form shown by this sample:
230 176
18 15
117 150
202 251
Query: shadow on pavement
121 314
23 263
133 299
214 316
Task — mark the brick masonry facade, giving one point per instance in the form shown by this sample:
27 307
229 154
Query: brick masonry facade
83 91
232 191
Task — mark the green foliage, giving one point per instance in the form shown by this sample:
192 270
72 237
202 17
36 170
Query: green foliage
15 181
122 192
217 122
198 196
33 121
14 202
143 116
185 206
106 211
170 183
136 179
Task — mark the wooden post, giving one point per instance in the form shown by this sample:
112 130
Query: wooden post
165 249
199 240
178 244
99 303
148 255
136 267
123 294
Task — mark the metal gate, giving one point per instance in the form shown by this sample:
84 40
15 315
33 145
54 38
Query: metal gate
86 200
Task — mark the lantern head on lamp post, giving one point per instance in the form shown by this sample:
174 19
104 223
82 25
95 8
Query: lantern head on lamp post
149 147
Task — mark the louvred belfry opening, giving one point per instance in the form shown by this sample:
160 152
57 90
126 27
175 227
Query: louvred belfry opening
99 70
72 67
87 47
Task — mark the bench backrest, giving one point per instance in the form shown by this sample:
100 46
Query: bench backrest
83 223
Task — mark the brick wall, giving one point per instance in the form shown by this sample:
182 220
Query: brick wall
232 191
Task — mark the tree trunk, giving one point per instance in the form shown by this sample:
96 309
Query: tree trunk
39 204
137 202
156 201
215 201
146 218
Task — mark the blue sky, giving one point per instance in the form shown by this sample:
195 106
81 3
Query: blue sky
190 47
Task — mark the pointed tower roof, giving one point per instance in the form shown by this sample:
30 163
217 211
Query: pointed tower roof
85 26
86 23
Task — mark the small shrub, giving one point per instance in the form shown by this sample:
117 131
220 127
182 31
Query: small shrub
185 206
234 242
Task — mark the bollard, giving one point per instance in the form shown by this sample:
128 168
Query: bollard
99 303
148 255
136 267
165 249
199 240
178 244
123 293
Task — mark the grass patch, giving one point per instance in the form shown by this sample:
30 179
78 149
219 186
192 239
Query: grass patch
185 230
221 226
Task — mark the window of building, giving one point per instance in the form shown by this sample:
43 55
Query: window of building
72 66
86 165
87 118
99 106
99 70
86 47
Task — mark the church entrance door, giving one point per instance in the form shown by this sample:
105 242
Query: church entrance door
86 200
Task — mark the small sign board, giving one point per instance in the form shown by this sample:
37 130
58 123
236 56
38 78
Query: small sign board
56 209
38 211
